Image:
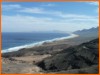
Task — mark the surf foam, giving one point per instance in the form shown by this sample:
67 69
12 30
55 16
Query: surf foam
37 44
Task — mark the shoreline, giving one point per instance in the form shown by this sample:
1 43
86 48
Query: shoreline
39 43
30 60
71 54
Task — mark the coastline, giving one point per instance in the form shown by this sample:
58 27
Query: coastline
26 60
39 43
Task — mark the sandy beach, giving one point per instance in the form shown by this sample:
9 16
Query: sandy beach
25 60
39 43
50 38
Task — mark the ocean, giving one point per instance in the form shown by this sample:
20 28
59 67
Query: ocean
16 41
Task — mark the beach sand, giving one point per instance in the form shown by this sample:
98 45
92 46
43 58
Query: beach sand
25 60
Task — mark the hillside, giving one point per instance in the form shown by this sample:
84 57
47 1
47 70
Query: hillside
88 32
82 59
74 55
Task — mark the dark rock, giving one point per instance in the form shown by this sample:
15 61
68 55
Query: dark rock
77 57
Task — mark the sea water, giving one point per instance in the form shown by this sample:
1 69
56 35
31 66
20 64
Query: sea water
15 41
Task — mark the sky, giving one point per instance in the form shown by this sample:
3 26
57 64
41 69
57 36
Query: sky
48 16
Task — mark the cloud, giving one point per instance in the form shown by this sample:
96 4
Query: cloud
30 23
32 10
19 8
94 3
11 6
41 10
55 20
74 16
48 5
57 14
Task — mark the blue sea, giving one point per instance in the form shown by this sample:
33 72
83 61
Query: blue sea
16 41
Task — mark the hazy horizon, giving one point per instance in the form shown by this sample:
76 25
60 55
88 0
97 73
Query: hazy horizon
49 16
50 31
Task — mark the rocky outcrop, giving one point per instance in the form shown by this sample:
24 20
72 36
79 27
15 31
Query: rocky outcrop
77 57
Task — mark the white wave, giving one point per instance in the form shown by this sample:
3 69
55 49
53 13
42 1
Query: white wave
37 44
